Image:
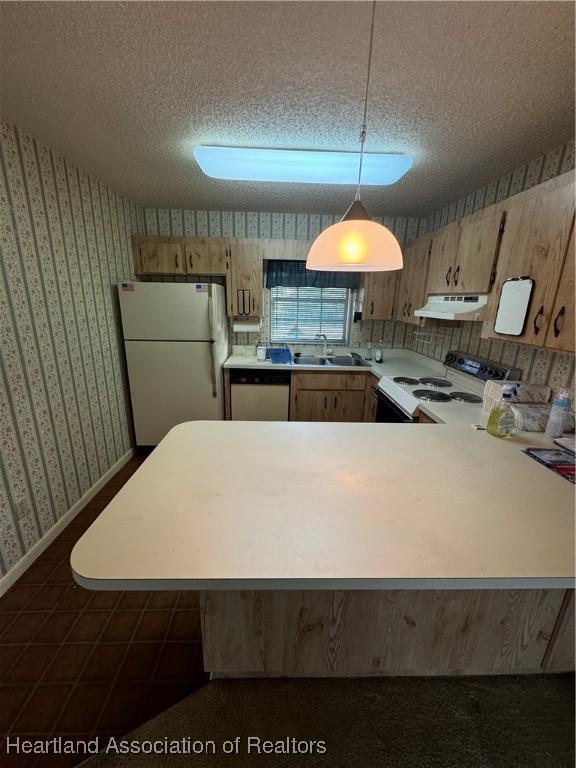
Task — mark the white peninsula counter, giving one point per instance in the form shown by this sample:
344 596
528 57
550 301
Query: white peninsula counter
348 548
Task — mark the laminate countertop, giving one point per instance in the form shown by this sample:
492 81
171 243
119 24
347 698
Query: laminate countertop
269 505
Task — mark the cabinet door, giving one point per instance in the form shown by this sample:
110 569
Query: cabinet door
207 256
245 294
161 257
478 247
538 226
442 259
411 293
371 398
346 405
379 290
312 405
561 328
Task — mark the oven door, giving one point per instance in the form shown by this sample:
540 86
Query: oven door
388 412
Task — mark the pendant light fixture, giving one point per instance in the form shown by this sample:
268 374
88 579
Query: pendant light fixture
357 244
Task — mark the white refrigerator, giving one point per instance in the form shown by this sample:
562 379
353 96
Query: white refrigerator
176 339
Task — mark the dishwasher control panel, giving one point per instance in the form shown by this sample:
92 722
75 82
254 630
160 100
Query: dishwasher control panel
258 376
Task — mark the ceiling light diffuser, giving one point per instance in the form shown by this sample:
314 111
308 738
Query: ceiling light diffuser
301 166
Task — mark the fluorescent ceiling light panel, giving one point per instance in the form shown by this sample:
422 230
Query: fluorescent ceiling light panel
301 166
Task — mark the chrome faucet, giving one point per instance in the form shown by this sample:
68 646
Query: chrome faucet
324 343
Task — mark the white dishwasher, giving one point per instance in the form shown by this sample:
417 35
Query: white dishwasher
259 395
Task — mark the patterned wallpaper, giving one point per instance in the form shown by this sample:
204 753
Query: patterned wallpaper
299 226
64 419
555 162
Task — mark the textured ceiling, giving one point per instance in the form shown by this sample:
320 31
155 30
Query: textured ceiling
471 89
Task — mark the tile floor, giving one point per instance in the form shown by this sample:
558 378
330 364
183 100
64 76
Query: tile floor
82 664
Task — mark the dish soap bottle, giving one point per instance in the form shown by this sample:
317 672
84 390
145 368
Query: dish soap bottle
558 412
378 352
504 421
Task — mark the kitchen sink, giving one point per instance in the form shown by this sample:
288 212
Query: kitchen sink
344 360
310 360
352 361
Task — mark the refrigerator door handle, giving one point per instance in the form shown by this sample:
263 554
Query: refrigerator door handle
213 369
210 311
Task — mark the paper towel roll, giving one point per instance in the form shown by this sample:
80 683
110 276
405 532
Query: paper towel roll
247 326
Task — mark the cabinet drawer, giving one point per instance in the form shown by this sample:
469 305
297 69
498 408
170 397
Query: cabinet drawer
329 380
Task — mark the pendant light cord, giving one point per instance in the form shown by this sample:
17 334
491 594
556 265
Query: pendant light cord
363 128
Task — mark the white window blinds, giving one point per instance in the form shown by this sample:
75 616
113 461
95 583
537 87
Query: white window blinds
298 314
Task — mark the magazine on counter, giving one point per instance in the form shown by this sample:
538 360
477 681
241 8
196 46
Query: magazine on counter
558 460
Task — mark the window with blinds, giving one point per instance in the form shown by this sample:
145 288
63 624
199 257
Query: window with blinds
298 314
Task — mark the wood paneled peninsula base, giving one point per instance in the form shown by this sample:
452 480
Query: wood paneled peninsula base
378 633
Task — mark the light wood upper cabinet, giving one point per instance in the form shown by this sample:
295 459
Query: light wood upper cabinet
379 292
443 258
478 246
534 244
154 256
562 321
464 253
246 277
411 293
207 256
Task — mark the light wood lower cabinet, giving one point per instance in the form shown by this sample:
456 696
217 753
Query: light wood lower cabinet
398 632
560 653
328 405
327 397
371 398
423 418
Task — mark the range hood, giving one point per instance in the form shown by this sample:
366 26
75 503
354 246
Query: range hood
454 307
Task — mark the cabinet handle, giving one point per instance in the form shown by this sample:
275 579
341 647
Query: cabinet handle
371 307
456 273
190 261
557 328
404 310
536 318
177 261
335 402
409 309
253 306
325 403
448 276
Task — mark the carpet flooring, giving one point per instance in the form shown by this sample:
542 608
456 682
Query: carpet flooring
497 722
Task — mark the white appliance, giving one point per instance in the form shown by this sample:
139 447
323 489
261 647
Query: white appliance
259 395
399 397
453 307
176 339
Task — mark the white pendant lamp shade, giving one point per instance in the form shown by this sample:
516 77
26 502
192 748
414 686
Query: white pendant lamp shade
355 245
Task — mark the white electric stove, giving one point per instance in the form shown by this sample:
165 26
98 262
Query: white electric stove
399 397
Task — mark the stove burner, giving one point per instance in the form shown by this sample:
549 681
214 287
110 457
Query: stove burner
432 394
465 397
405 380
431 382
